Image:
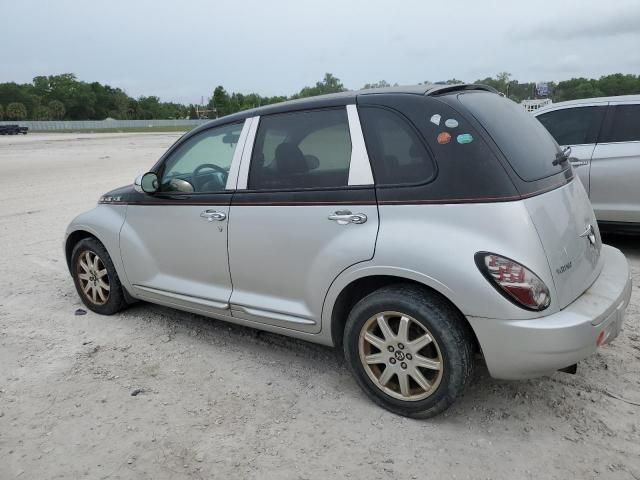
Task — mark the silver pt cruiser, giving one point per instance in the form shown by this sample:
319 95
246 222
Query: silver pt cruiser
412 227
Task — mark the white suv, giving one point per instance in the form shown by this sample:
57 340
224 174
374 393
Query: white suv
604 136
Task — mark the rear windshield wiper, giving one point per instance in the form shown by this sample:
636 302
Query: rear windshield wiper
562 157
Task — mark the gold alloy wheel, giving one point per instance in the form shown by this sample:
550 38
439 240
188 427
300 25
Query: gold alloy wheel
400 356
93 277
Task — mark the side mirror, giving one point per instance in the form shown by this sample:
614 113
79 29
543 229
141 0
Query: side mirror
147 183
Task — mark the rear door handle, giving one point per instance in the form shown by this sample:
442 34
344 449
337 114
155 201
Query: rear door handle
344 217
577 163
212 215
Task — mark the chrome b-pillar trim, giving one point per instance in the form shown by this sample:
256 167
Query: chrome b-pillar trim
243 173
360 168
232 178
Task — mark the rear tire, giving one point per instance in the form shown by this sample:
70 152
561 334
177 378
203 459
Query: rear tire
409 349
95 277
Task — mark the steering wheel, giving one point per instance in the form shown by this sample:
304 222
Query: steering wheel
196 172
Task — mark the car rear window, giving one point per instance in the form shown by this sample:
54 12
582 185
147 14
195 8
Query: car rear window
523 140
398 155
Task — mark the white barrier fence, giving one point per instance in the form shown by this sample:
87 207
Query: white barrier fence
533 105
100 124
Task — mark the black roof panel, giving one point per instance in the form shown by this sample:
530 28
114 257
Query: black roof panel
339 99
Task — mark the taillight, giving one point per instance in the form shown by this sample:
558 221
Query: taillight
516 282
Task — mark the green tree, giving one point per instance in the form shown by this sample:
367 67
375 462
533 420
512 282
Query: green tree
220 102
236 102
576 88
172 110
64 96
56 109
452 81
503 78
41 85
587 90
77 96
41 113
132 109
380 84
149 108
12 92
329 84
499 83
118 104
618 84
274 99
16 111
110 102
1 112
520 91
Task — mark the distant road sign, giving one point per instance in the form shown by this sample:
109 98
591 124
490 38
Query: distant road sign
542 89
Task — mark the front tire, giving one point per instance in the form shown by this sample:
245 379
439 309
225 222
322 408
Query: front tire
409 350
95 277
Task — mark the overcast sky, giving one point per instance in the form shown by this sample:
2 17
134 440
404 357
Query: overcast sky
180 50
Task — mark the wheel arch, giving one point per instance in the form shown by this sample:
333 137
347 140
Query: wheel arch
103 223
82 232
346 292
72 240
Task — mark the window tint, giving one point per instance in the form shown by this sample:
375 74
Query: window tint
201 164
523 140
573 126
301 150
625 126
397 154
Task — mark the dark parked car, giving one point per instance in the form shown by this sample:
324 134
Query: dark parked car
13 130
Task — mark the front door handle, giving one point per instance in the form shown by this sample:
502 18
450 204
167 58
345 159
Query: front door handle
212 215
344 217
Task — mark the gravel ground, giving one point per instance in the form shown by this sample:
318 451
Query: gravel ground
221 401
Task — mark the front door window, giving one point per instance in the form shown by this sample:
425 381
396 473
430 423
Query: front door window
201 164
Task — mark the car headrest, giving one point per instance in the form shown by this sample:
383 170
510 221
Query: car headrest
290 159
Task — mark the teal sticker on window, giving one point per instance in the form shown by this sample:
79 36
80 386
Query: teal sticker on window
464 138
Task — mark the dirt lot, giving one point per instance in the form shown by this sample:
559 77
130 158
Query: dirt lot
222 401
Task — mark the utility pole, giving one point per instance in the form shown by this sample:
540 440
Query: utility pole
202 111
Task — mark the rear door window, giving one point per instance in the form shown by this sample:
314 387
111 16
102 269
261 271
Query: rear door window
395 149
300 150
625 124
523 140
574 126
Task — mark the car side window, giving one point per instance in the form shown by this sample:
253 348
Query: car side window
625 124
573 126
397 153
310 149
201 163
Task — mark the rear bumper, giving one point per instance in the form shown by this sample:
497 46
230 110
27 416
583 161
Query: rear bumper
516 349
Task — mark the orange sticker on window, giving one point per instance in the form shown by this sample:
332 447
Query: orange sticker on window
443 137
